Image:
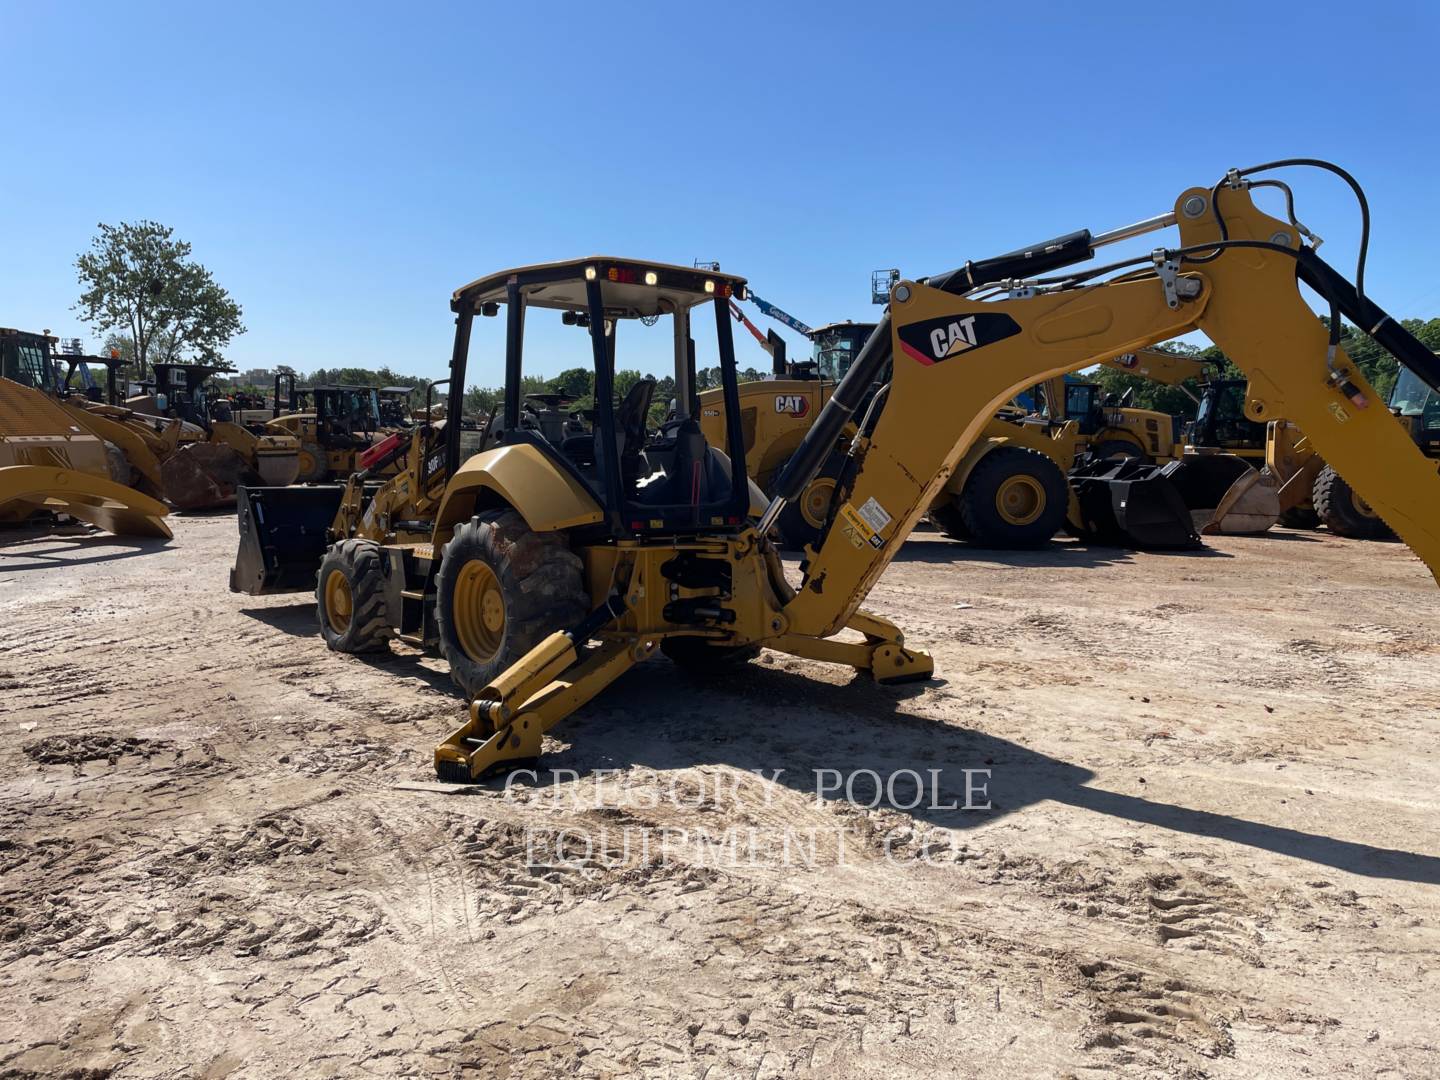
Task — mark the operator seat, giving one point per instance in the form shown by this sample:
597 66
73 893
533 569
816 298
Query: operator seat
630 435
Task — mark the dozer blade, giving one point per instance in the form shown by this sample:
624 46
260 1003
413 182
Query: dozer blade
284 533
103 503
1130 504
1225 493
202 475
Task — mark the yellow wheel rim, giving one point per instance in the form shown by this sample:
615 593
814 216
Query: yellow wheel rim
479 610
339 604
1361 506
815 503
1020 500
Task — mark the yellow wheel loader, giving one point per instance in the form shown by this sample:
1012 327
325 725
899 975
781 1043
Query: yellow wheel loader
50 463
1010 490
1304 491
342 425
214 456
650 533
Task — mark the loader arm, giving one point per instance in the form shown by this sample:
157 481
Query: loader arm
957 359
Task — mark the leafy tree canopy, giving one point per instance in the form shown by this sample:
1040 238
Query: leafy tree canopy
140 282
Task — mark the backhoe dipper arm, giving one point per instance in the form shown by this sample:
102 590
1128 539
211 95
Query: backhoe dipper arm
956 360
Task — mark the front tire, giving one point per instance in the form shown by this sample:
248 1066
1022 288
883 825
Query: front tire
1343 512
501 590
1014 498
350 598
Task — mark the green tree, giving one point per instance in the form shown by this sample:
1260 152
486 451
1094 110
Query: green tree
577 382
139 280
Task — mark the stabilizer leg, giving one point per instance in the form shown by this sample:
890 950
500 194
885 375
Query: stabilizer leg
882 653
548 684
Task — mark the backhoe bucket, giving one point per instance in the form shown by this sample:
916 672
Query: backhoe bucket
26 489
1226 494
284 533
1130 504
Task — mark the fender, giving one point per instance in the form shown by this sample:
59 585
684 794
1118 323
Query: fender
520 475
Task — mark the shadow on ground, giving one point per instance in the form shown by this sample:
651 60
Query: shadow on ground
762 718
46 550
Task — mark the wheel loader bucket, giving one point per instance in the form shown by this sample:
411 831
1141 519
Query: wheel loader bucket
284 533
202 475
103 503
1131 504
1226 494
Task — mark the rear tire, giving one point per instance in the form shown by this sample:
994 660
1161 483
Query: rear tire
948 518
313 465
1014 498
350 598
500 591
1300 517
1343 512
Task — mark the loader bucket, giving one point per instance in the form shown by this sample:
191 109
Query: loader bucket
25 489
1251 505
284 533
202 475
1131 504
1226 494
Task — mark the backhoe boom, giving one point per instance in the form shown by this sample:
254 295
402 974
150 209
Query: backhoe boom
957 359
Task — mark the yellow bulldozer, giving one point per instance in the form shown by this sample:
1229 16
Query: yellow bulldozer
543 572
53 462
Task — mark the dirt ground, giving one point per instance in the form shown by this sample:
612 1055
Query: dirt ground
1212 849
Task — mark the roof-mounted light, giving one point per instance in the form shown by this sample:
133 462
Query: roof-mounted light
590 274
709 286
652 278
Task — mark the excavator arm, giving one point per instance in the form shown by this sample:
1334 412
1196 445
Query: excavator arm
957 358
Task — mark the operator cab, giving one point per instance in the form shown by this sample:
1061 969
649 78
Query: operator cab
836 345
649 477
1220 419
25 358
346 415
1418 407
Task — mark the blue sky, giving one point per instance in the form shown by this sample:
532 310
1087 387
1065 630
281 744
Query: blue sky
342 168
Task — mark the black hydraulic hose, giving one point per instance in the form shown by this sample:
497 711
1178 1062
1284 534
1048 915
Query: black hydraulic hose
849 395
1388 333
1026 262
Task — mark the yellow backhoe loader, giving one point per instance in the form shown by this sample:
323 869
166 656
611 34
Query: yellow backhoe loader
53 462
545 572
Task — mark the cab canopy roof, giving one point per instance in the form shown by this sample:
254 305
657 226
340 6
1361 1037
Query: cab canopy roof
397 389
629 288
848 324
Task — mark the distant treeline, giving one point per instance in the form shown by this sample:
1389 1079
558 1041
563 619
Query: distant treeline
579 383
